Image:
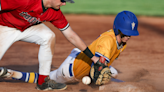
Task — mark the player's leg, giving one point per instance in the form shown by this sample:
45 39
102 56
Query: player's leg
43 36
35 34
29 77
5 73
61 75
8 36
64 74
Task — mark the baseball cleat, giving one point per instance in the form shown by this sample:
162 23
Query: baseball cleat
51 85
5 73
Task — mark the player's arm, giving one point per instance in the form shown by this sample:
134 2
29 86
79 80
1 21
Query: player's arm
79 43
104 48
74 38
61 23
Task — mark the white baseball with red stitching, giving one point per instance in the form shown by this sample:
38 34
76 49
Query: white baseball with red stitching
86 80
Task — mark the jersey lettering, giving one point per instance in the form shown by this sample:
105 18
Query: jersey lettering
29 18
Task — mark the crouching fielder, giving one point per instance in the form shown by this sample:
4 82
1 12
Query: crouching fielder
108 45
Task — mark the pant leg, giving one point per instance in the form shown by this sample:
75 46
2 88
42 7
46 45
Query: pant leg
62 74
8 36
40 34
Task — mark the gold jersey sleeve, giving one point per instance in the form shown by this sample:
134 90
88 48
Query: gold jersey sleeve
105 45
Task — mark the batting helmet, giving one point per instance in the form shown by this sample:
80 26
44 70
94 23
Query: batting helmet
127 23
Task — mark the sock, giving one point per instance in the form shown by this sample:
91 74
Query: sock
29 77
41 79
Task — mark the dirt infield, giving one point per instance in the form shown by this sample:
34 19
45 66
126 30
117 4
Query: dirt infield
141 65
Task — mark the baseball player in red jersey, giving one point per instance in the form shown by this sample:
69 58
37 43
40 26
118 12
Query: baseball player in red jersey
108 45
21 20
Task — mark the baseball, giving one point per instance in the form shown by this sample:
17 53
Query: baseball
86 80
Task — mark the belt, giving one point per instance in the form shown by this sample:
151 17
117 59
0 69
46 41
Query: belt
70 70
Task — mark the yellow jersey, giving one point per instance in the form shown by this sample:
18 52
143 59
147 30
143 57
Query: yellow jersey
105 45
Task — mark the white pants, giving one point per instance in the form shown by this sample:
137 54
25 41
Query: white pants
39 34
65 75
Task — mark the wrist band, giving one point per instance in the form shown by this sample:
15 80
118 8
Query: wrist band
88 52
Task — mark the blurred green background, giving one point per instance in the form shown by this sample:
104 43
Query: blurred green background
112 7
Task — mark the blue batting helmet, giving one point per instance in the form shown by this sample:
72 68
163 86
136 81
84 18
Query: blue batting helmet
127 23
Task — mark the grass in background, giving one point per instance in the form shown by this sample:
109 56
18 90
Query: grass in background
109 7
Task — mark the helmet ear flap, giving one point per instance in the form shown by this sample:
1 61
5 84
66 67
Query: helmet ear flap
119 31
115 30
121 34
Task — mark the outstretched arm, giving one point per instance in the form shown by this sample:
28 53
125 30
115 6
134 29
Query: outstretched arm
79 43
74 38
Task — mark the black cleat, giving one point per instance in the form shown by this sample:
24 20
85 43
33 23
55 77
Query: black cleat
51 85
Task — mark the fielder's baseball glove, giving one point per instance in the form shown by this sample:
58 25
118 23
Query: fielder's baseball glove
100 73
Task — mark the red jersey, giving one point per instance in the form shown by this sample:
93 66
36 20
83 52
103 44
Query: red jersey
22 14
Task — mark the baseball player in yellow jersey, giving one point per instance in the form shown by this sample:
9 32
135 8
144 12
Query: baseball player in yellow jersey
77 65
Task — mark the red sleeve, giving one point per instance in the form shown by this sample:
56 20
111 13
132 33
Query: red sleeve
60 21
13 4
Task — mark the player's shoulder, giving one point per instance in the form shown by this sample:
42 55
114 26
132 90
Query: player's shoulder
32 3
109 35
16 2
110 32
27 3
23 2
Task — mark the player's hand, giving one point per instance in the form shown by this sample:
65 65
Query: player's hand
95 59
100 72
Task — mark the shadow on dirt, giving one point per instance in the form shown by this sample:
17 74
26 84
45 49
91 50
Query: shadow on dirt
153 28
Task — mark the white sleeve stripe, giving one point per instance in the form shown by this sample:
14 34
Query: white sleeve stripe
0 7
64 27
103 56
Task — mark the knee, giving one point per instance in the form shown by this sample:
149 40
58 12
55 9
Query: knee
49 38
